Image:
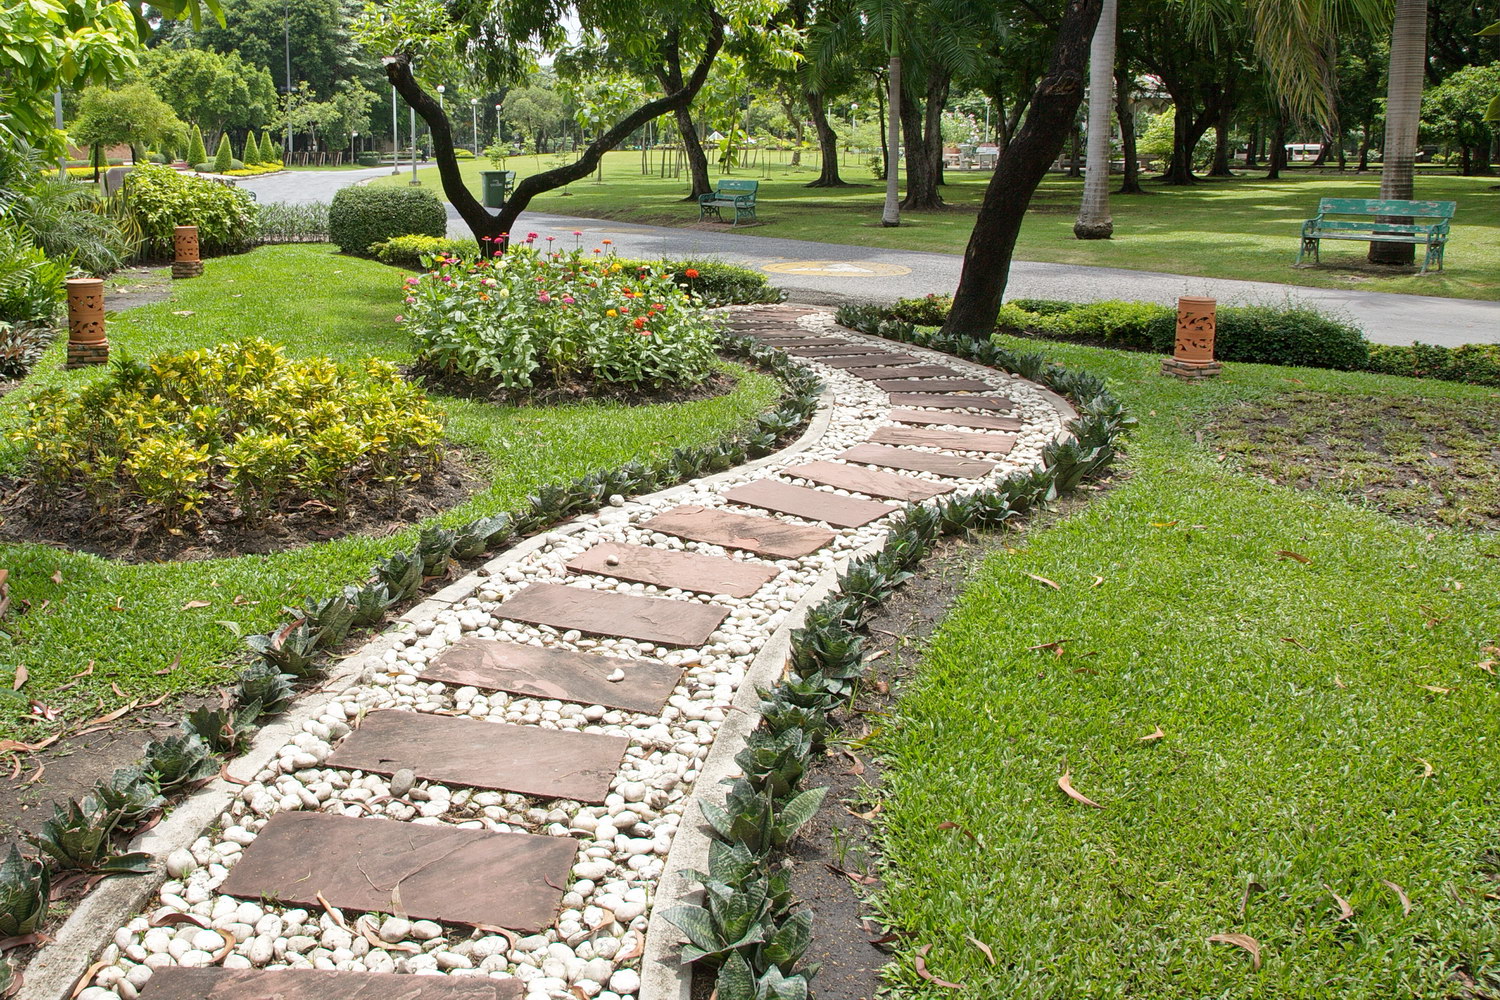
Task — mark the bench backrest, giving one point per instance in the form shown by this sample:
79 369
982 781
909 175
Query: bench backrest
1387 206
737 187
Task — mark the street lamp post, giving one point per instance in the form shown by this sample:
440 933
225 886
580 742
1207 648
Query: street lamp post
354 146
441 90
986 121
395 136
474 124
497 124
414 182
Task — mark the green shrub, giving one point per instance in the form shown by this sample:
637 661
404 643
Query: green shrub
21 346
1476 363
1137 325
530 319
409 251
368 159
929 310
197 152
463 154
714 283
160 198
224 158
251 154
286 222
1015 319
31 283
238 420
1044 307
360 216
1282 336
74 222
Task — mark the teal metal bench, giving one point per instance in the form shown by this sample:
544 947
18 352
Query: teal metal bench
1382 221
738 195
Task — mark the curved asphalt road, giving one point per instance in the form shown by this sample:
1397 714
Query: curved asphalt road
832 273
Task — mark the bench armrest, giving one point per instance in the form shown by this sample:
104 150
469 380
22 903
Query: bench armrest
744 200
704 199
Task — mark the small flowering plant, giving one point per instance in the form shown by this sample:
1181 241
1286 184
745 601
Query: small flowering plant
535 319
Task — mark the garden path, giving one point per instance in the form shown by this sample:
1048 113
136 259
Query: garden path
510 773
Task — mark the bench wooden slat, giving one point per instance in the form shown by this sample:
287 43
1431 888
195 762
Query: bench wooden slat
1387 206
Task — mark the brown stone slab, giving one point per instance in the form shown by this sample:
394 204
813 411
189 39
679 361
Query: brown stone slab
603 612
918 461
980 421
866 360
863 480
933 385
564 674
924 437
791 339
512 880
762 535
669 568
815 505
546 763
173 982
909 371
834 351
951 402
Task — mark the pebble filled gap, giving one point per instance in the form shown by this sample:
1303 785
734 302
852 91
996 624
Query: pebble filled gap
493 805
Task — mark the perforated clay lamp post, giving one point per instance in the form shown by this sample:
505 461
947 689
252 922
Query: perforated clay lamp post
1193 354
86 341
186 263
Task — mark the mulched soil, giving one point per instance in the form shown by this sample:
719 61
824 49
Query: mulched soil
1428 461
491 391
73 522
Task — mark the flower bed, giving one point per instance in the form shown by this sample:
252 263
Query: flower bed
534 319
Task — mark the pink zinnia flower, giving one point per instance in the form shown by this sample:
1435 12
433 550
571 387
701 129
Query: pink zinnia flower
568 299
544 298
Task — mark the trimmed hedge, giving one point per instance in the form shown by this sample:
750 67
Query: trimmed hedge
360 217
715 283
1476 363
408 251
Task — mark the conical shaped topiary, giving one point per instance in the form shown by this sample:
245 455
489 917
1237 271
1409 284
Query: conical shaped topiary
269 151
280 154
224 158
197 153
251 156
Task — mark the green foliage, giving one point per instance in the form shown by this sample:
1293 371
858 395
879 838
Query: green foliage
286 222
757 819
197 152
775 763
241 419
78 838
21 345
530 319
416 251
251 156
31 283
161 199
175 763
129 794
1475 363
1284 336
1454 111
73 222
132 114
266 687
24 886
715 283
214 91
224 158
224 730
360 216
929 310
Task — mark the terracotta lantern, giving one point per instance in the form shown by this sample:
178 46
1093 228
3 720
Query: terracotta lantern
186 263
86 341
1193 353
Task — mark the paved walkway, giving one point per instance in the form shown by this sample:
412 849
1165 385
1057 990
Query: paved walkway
832 273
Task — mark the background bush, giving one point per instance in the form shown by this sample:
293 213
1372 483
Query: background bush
31 283
368 159
73 222
286 222
716 283
160 198
360 217
1476 363
409 251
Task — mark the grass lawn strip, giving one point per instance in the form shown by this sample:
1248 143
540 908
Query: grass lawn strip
1243 228
132 621
1326 726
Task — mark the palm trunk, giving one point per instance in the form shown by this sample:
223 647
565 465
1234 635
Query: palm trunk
828 143
1094 222
1403 107
981 286
891 215
1125 112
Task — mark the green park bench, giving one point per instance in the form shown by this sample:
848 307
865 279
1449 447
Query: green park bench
738 195
1383 220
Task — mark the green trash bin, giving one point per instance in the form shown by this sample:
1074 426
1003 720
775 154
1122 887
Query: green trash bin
496 184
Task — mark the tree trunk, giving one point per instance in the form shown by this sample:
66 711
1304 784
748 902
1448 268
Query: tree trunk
1220 166
1276 155
1364 147
923 127
1075 152
828 143
1252 148
696 157
1180 169
1403 108
891 214
799 130
1125 112
981 285
938 82
1094 222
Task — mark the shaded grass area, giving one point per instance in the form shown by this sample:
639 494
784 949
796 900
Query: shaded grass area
131 621
1242 228
1418 458
1328 727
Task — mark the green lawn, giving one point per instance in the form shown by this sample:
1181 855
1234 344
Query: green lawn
130 620
1243 228
1327 724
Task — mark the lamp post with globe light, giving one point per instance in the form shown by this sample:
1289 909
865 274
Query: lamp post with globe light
497 123
474 124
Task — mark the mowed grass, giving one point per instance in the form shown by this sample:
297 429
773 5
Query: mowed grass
1242 228
1328 726
131 621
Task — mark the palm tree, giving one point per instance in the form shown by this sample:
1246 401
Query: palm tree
891 214
1094 222
1403 114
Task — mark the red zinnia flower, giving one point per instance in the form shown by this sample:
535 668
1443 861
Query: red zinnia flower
691 272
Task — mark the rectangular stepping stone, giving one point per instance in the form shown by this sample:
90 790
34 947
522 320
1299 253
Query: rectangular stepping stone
792 340
951 402
922 437
815 505
546 763
174 982
909 371
563 674
866 360
835 351
763 536
511 880
862 480
933 385
670 568
981 421
603 612
918 461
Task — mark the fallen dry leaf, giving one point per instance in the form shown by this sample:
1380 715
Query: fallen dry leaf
1158 734
636 950
1435 689
110 716
197 604
22 674
41 770
1488 666
1251 887
1244 941
950 825
982 947
1345 910
12 746
1426 768
855 877
86 978
1337 680
1043 579
1066 784
182 312
1164 524
56 576
866 815
224 773
1289 554
171 919
22 940
333 912
919 961
369 935
1400 894
1098 581
223 952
